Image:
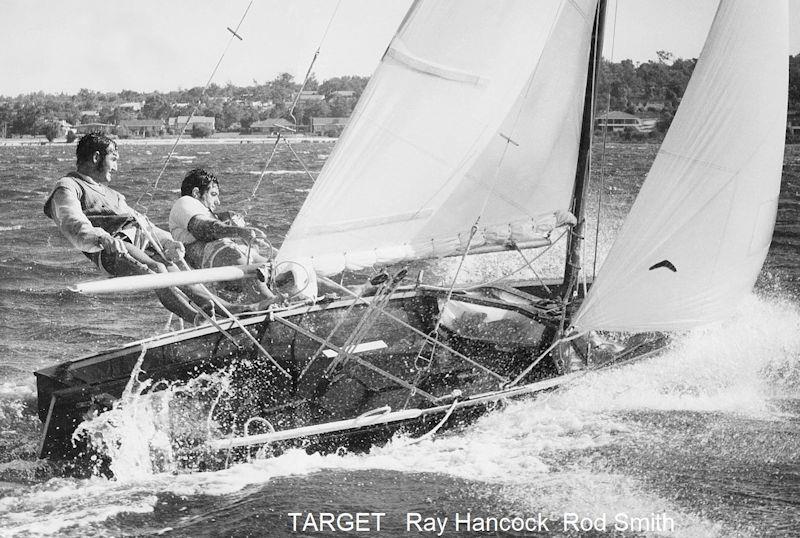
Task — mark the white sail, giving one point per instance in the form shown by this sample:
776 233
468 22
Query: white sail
699 231
418 163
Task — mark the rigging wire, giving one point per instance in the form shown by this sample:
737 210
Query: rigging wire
234 35
291 114
421 370
527 264
602 173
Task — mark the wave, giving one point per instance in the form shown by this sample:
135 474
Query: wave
544 454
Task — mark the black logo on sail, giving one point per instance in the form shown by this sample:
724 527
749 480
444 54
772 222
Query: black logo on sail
664 263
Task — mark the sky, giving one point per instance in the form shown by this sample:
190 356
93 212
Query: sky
60 46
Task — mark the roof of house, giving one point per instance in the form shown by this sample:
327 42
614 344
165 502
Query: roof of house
617 115
141 123
195 119
329 121
271 122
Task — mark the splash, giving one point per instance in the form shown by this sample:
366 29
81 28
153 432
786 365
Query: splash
147 429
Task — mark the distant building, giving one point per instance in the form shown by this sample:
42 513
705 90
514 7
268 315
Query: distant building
328 126
793 123
84 128
133 106
618 122
310 95
272 126
176 124
656 105
343 93
64 127
143 127
89 115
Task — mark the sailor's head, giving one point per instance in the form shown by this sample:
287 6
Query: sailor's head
203 186
97 156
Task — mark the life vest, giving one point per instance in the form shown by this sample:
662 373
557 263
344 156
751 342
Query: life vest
105 208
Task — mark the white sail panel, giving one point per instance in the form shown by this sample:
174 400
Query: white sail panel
699 231
394 187
537 168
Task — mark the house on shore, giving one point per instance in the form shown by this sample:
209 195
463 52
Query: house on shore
272 126
793 124
175 124
310 96
328 126
134 106
618 122
85 128
141 128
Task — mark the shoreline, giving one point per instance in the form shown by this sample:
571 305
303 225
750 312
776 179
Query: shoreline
168 141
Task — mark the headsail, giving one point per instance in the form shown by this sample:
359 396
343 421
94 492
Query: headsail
699 231
419 161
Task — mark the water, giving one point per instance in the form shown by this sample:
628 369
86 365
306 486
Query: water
700 441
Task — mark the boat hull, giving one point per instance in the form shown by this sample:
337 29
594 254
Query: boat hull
308 366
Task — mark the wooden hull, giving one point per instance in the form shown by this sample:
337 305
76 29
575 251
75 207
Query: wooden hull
327 363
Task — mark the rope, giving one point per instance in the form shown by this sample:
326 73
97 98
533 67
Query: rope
440 424
512 273
532 365
449 295
234 35
401 322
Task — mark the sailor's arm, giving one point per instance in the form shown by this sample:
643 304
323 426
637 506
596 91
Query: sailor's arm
75 226
207 228
173 250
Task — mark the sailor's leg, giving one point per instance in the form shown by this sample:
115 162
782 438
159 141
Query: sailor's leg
198 293
231 254
139 263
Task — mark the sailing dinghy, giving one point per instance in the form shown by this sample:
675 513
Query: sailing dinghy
503 166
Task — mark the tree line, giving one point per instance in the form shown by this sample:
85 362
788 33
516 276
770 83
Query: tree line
653 88
232 106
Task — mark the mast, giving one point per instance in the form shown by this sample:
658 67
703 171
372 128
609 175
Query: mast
575 239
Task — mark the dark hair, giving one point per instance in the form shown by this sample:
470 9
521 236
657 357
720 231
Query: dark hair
197 178
91 142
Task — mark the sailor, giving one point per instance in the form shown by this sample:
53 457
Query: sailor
212 239
120 241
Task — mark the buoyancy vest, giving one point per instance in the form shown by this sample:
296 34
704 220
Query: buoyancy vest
105 208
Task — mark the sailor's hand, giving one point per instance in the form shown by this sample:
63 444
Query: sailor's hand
174 250
249 233
237 220
112 244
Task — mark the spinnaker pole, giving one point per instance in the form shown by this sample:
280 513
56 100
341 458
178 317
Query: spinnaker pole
575 239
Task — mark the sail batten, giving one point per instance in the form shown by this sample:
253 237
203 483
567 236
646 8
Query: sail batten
425 138
699 231
396 53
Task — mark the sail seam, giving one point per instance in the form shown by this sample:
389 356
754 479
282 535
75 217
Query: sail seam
586 15
707 164
429 68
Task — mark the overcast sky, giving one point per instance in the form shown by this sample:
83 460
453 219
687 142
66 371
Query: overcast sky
145 45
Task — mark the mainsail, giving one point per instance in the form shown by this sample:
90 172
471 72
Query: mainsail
473 112
699 231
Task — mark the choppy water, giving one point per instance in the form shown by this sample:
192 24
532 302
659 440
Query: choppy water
703 440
